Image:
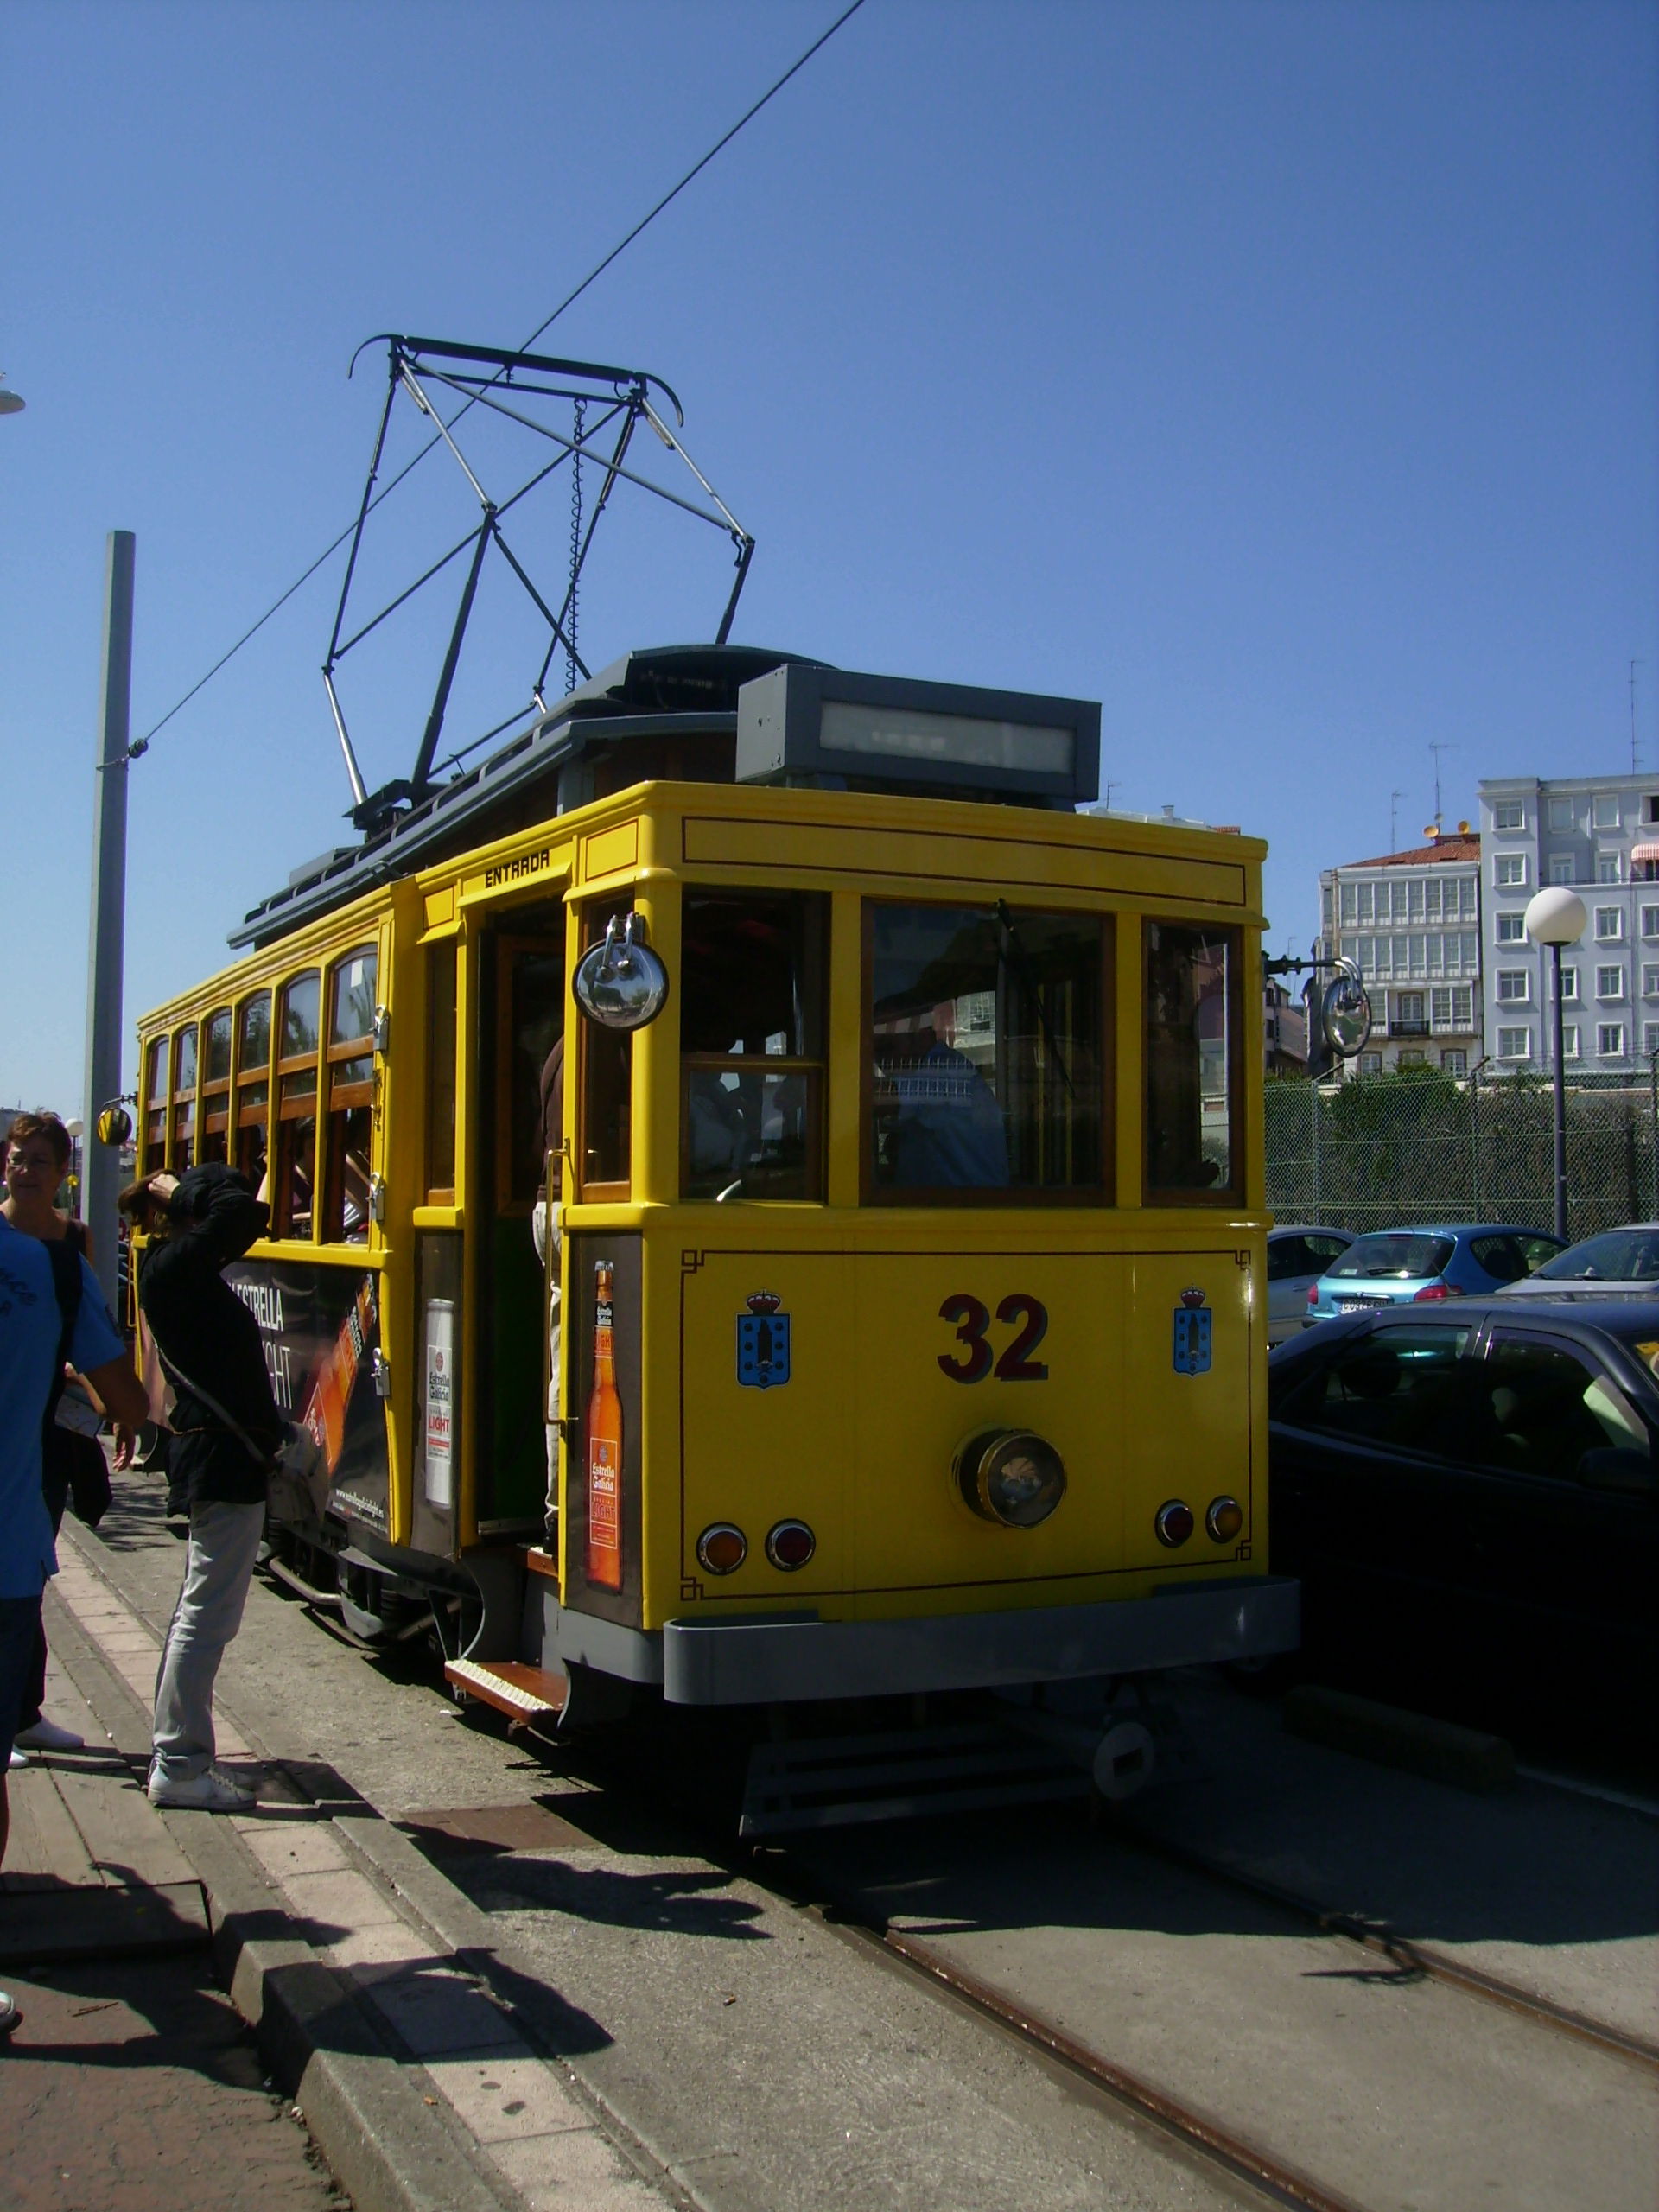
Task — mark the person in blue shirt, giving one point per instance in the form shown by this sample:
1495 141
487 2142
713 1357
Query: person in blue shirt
31 1330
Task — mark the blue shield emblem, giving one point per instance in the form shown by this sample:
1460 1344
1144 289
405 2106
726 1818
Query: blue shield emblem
762 1343
1192 1324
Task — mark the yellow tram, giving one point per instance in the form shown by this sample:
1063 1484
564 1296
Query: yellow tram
903 1324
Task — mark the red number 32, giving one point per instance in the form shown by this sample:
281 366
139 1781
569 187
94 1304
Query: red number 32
971 1318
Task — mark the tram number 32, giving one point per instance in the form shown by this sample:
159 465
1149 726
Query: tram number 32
971 1318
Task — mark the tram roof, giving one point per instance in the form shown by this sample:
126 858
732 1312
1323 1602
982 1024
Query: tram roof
689 694
661 691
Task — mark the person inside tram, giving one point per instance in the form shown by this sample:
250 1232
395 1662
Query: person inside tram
948 1132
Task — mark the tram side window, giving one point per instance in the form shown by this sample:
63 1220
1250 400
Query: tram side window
216 1087
293 1182
987 1055
530 980
751 1016
156 1106
351 1099
253 1088
441 1074
1192 1062
605 1136
181 1151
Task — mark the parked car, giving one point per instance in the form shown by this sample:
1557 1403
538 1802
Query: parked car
1470 1496
1405 1267
1298 1254
1619 1263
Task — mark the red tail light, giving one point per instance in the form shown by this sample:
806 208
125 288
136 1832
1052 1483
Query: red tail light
1312 1294
1432 1290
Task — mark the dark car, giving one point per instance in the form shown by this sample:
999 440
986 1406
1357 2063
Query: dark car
1470 1496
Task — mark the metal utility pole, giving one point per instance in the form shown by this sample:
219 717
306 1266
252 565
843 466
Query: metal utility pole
100 1163
1437 746
1395 798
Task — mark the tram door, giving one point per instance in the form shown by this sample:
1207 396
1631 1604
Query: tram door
521 982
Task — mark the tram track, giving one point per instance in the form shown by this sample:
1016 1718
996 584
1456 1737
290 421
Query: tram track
1236 2154
1421 1959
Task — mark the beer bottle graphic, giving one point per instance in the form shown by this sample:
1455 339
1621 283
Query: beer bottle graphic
604 1435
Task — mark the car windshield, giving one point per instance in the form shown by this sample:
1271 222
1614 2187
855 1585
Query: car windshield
1620 1256
1396 1253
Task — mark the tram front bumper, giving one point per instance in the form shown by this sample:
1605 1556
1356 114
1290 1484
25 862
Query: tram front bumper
766 1661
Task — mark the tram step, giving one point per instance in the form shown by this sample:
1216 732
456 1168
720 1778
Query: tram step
836 1780
524 1693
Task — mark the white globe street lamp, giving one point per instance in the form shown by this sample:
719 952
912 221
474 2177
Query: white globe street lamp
1555 917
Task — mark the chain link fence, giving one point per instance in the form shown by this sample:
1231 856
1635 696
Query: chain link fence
1422 1146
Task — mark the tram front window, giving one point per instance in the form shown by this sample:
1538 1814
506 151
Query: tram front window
1192 1063
986 1051
751 1045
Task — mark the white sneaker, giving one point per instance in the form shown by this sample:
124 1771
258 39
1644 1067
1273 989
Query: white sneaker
18 1758
210 1792
10 2018
47 1736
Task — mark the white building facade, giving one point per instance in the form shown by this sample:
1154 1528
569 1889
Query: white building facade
1412 922
1599 834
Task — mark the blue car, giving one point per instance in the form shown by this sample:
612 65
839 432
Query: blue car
1405 1267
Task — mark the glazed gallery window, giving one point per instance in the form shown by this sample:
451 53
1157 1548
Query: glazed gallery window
751 1045
986 1062
1193 1062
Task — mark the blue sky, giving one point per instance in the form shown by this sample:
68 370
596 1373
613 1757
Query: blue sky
1282 376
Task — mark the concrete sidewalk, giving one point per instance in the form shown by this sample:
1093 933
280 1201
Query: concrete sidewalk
429 2085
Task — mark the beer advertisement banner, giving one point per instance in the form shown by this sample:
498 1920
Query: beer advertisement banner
319 1328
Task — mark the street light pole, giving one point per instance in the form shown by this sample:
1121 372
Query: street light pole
1555 917
101 1170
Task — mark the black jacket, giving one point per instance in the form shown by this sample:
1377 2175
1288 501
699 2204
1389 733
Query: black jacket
205 1331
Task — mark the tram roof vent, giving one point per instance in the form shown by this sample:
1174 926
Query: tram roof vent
804 723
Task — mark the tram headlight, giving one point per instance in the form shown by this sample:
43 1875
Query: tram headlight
791 1545
1174 1522
1223 1519
1010 1476
723 1549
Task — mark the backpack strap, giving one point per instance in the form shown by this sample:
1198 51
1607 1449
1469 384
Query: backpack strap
65 1286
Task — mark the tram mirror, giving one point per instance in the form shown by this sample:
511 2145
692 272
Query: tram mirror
620 983
1345 1016
114 1125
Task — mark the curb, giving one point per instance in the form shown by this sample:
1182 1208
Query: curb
382 2109
1439 1750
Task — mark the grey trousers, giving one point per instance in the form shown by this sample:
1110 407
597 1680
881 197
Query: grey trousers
218 1568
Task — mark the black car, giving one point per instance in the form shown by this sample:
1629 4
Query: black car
1471 1499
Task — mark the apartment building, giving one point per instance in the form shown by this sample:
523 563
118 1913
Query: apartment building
1599 834
1412 921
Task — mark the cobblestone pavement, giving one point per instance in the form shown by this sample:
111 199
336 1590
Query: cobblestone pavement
133 2087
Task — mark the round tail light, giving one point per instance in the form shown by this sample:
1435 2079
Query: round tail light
1010 1476
1224 1520
722 1548
791 1545
1432 1290
1173 1522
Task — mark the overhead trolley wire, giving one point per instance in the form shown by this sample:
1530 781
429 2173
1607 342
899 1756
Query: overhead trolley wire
141 745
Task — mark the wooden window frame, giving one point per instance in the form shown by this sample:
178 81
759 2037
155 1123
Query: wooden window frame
342 1098
305 1106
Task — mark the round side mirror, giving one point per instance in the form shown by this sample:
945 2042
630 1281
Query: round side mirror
621 984
114 1125
1346 1017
